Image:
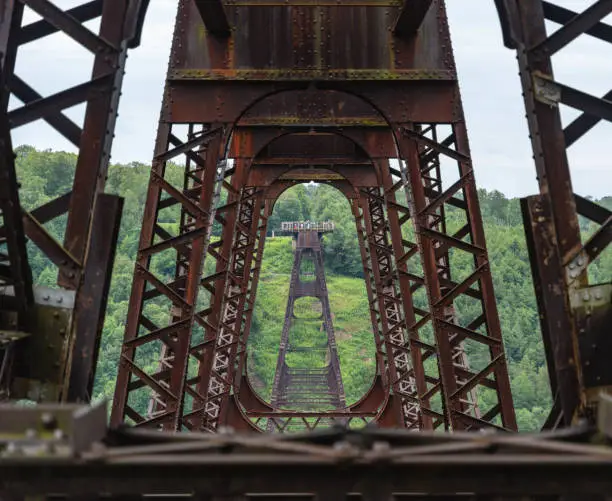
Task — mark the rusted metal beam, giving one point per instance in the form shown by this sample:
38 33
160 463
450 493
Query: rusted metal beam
411 17
70 26
561 15
214 17
39 29
91 299
583 124
98 127
59 121
562 463
563 366
52 105
575 27
58 255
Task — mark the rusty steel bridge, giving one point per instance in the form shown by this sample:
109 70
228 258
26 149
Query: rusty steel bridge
261 95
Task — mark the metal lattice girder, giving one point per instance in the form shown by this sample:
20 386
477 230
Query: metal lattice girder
76 260
552 220
307 388
176 295
276 122
400 376
448 296
230 343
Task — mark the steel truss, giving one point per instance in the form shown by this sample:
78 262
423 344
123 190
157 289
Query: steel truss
424 335
70 335
307 388
574 315
184 363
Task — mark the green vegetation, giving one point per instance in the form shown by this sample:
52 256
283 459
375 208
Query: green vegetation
45 175
349 306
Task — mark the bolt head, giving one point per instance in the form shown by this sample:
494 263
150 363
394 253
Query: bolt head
49 421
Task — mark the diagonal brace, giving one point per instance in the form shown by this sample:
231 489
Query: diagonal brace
69 25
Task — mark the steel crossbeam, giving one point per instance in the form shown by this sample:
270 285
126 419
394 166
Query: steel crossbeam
340 462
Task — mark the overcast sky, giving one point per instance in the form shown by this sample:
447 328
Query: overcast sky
488 79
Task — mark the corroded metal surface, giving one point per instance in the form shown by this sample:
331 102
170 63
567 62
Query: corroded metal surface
558 257
338 463
308 96
381 75
81 268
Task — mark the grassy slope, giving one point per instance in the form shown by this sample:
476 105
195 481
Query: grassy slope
349 306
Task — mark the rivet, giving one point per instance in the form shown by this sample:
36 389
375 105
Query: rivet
48 420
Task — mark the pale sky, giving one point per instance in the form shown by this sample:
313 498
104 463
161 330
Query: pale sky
488 77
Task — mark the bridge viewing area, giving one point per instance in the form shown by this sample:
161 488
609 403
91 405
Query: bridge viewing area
297 226
296 298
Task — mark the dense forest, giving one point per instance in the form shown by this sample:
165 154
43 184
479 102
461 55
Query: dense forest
44 175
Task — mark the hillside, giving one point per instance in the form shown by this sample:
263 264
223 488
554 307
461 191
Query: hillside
45 175
349 306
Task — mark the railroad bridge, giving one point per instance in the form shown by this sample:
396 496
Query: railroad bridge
260 95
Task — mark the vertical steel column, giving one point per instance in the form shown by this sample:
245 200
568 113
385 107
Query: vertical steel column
253 283
178 296
403 250
157 404
231 341
117 25
92 298
402 387
557 228
457 382
197 415
370 283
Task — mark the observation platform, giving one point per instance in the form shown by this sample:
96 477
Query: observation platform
302 226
